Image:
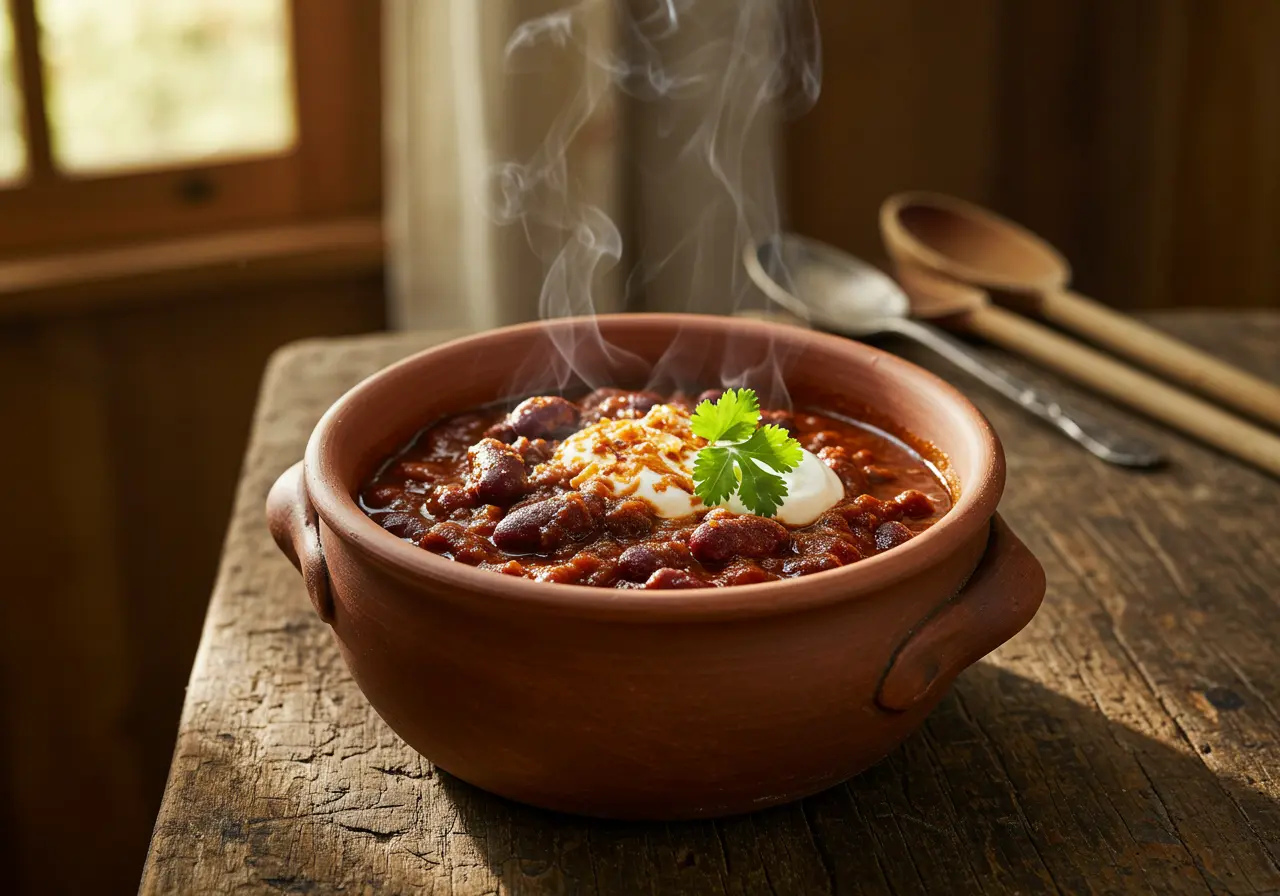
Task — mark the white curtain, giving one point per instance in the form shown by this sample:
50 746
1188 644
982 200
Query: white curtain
654 115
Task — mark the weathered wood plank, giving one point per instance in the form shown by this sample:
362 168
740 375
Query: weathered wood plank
1127 741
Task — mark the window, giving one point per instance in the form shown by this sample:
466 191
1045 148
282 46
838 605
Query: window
133 120
13 155
135 82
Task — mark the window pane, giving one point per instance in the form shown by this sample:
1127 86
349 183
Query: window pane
145 83
13 151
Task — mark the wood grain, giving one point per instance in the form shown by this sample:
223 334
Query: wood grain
193 267
115 422
1129 386
908 102
1140 137
1127 742
65 675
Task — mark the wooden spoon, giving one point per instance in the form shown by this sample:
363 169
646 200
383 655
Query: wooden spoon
967 243
969 308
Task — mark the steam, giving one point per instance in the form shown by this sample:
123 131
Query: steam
706 79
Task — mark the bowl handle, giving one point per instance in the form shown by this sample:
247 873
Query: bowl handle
295 526
999 599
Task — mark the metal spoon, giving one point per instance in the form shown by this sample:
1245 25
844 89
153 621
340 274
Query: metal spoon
842 293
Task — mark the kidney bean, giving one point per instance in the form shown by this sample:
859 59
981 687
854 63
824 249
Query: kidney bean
452 498
708 395
454 539
496 472
597 396
745 572
534 451
404 525
832 522
572 572
850 475
866 512
484 519
668 579
830 528
876 474
844 547
720 538
629 519
851 479
810 563
889 510
617 404
438 491
890 535
382 496
544 525
503 432
847 547
640 561
914 505
544 416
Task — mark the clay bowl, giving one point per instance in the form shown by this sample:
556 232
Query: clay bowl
654 705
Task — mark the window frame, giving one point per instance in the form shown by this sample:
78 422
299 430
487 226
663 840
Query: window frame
332 170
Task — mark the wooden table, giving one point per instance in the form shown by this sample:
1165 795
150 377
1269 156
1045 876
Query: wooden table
1127 741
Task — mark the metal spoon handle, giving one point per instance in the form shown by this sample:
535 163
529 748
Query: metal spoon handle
1103 439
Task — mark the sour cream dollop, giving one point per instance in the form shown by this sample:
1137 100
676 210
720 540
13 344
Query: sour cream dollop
652 458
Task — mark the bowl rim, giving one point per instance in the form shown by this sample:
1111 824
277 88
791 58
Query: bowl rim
336 506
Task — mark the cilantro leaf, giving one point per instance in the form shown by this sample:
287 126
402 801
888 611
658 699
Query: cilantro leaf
731 418
753 461
773 446
769 446
714 476
760 490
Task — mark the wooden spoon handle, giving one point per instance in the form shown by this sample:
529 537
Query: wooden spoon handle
1125 385
1162 353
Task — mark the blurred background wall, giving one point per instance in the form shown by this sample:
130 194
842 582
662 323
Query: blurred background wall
1142 137
149 265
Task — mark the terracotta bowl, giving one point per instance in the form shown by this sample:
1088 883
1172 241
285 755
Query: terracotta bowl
654 705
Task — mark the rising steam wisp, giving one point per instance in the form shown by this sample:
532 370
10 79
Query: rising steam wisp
707 79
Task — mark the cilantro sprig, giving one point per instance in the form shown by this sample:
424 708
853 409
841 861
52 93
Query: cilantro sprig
742 456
